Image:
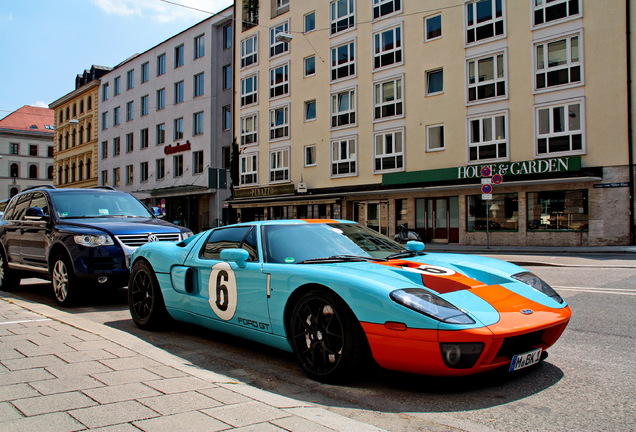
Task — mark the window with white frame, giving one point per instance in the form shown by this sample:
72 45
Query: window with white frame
178 92
279 123
432 28
249 169
559 128
385 7
145 72
547 11
116 116
277 47
310 155
558 62
388 151
310 110
310 65
161 99
249 90
434 137
161 64
344 157
178 128
310 22
343 108
388 101
279 165
249 129
342 15
199 46
198 123
484 20
143 172
143 138
387 47
199 84
487 138
486 78
434 82
279 80
343 61
160 132
130 79
249 51
197 162
143 109
177 165
130 111
129 174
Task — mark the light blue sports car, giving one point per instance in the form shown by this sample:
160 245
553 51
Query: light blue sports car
337 293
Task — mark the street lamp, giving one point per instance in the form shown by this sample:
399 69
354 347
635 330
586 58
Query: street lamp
283 37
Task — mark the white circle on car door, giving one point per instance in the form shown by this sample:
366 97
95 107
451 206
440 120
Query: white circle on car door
223 291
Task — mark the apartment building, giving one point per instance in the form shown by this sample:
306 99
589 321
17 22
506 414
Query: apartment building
76 119
26 149
165 128
493 121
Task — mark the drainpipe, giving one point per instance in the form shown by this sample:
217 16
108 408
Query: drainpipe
630 132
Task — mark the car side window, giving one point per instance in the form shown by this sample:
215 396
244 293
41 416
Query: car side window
227 238
39 200
20 207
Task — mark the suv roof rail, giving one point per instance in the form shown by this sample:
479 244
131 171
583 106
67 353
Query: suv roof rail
42 186
103 187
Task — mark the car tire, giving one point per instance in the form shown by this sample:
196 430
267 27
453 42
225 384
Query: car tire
326 337
9 279
145 300
63 280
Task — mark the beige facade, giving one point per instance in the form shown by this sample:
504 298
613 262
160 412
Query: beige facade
413 99
76 120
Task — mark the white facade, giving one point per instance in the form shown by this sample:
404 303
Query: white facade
163 131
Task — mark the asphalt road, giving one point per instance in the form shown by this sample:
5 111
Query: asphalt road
586 384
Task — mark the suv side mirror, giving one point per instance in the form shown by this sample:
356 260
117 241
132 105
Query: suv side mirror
156 211
35 214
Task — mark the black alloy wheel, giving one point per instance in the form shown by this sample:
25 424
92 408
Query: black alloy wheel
9 279
145 300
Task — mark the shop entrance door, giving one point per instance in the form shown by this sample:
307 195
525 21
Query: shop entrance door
378 216
440 217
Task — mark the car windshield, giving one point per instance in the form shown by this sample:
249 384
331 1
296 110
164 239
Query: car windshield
95 204
295 243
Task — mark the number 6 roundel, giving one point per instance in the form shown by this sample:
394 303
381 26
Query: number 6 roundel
222 291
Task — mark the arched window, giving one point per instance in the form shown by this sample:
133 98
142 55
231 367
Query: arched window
15 170
33 171
89 103
66 169
66 138
60 139
50 172
74 110
81 135
59 176
68 113
73 137
88 168
14 191
89 129
73 169
82 106
80 171
61 116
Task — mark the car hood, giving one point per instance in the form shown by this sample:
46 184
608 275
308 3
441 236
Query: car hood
124 225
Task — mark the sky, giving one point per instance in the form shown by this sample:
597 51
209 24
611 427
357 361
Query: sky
45 44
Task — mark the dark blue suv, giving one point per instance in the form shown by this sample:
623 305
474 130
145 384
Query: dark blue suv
77 238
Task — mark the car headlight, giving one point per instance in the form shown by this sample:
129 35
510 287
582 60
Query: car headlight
91 240
431 305
186 234
539 284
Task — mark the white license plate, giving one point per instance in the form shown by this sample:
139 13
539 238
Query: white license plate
526 359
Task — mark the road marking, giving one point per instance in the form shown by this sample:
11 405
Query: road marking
620 291
24 321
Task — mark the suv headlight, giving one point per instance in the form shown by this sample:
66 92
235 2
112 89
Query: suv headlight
539 284
92 240
431 305
186 234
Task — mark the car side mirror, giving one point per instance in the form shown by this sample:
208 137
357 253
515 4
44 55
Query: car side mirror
35 214
415 246
239 256
156 212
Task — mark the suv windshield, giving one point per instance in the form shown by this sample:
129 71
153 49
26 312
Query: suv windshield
300 242
95 203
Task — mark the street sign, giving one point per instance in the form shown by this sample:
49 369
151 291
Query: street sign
486 189
497 179
486 180
486 197
486 171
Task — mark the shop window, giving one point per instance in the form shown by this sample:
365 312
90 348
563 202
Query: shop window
498 214
558 211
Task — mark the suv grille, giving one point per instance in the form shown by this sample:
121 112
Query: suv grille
136 240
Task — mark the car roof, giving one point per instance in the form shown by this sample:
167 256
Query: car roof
293 221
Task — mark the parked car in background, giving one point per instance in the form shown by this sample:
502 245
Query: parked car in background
79 238
337 293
